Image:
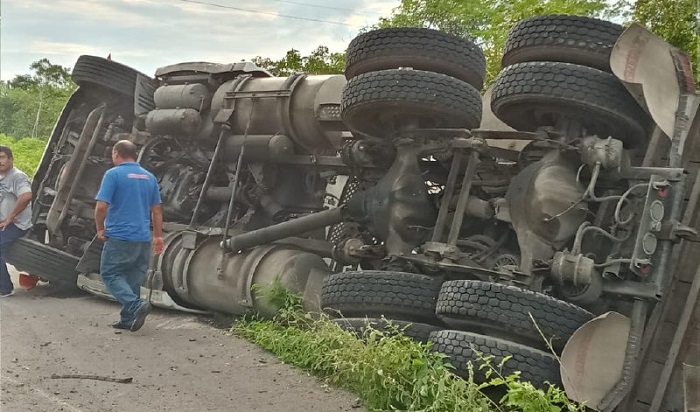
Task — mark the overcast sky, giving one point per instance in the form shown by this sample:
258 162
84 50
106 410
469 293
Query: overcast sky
147 34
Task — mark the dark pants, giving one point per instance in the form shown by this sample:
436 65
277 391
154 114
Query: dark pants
123 268
7 238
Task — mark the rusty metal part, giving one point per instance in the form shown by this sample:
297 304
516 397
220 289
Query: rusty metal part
606 152
448 192
546 207
397 209
207 180
576 269
349 251
286 229
467 181
629 367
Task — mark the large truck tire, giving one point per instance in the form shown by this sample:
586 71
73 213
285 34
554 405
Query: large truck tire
378 103
527 96
376 293
50 264
465 304
419 332
418 48
461 348
562 38
93 71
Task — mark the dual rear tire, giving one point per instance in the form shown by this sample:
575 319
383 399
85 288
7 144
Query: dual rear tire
413 77
556 69
467 320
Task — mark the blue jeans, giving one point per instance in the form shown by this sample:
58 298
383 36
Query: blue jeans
8 237
123 268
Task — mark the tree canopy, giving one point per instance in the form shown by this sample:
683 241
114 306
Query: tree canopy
31 103
45 74
320 61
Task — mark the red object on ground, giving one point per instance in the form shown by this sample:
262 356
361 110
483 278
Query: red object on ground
28 281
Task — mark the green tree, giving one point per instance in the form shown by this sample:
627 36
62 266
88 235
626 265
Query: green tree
486 22
320 61
31 103
45 74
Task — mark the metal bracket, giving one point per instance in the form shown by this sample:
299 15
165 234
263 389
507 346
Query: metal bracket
675 232
650 225
189 240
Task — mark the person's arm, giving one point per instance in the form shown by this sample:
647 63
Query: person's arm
103 198
23 190
22 203
157 219
100 216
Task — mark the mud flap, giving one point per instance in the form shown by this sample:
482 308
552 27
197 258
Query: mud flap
90 261
660 78
92 283
592 360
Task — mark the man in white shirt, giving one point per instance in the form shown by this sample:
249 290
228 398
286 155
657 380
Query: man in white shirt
15 212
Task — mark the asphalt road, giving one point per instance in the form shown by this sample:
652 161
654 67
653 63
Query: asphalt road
178 362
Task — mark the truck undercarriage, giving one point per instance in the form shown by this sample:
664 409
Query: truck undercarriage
399 191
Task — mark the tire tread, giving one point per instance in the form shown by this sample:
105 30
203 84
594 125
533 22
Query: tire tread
460 347
420 48
509 308
564 38
373 293
595 94
452 102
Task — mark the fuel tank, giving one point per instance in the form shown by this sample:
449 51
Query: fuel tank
305 108
198 274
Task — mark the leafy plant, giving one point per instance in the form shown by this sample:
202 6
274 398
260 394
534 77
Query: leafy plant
521 395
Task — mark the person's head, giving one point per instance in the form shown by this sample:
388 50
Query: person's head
6 159
124 151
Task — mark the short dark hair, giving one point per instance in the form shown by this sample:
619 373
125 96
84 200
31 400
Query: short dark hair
126 150
7 151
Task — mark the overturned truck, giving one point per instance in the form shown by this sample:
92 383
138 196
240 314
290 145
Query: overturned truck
545 216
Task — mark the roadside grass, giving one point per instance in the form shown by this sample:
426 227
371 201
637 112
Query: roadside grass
27 152
389 372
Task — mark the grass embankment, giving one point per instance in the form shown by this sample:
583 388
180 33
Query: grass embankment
27 152
387 372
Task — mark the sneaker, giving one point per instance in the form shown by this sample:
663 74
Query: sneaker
10 293
141 314
120 325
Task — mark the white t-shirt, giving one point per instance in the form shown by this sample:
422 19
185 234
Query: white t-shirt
12 185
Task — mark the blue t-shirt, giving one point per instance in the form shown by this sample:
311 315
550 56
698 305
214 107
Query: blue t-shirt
130 191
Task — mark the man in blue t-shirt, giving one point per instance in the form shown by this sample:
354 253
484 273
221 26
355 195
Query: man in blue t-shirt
127 202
